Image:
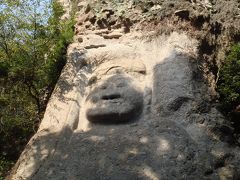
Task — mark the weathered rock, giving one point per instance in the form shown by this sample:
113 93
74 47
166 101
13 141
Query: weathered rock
183 13
112 36
135 107
80 39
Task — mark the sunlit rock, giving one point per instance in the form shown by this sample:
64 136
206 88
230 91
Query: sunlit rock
130 107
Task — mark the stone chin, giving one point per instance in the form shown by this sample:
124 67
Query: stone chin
114 104
114 113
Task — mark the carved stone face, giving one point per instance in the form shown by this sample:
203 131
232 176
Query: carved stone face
114 99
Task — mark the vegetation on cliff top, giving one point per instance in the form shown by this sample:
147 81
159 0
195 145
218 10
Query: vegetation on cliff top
33 42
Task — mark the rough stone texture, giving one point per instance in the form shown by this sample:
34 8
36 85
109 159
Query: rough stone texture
171 129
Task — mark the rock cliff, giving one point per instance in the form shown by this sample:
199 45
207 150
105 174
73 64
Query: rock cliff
136 99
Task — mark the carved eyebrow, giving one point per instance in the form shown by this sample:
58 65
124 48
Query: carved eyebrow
142 72
113 68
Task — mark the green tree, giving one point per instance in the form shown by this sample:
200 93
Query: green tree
33 42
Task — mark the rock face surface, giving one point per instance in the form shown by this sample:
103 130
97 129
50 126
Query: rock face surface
132 103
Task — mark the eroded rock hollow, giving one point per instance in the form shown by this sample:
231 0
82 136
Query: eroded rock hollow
135 100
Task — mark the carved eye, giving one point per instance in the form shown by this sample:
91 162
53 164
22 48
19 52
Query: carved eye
103 86
92 80
94 99
116 70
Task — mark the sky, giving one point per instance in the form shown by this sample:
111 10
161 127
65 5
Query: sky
26 11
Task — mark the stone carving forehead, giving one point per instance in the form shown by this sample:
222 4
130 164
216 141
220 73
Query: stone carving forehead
128 65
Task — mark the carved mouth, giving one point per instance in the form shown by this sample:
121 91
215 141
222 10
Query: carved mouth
111 97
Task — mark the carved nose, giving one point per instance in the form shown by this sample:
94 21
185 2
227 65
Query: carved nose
111 96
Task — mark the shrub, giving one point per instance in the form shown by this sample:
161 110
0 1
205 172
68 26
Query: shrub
229 89
229 80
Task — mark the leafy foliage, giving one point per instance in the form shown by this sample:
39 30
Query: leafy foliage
229 81
229 89
4 164
33 42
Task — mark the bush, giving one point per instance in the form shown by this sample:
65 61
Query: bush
229 87
229 80
4 164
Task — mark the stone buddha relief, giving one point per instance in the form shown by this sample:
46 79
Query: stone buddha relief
134 118
115 95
